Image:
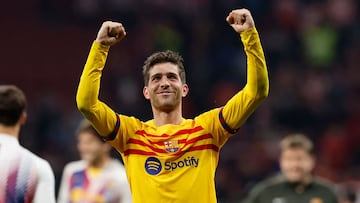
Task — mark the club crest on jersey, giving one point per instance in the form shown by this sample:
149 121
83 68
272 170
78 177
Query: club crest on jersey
171 146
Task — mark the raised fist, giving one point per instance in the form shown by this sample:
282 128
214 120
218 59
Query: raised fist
241 20
110 33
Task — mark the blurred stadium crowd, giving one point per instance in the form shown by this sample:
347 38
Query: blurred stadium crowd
312 50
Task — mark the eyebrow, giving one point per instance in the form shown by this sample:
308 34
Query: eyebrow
167 74
172 74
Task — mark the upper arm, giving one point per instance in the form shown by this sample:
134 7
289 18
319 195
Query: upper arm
45 190
239 108
103 118
213 123
125 127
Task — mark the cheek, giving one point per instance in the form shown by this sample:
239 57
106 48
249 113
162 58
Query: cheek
285 165
148 92
309 165
289 163
296 164
86 147
83 150
80 147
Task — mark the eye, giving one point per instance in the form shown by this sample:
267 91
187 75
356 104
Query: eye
172 77
156 78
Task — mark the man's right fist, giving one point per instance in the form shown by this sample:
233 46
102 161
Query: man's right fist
240 20
110 33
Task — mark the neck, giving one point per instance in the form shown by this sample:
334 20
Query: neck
300 186
10 130
100 163
307 180
162 117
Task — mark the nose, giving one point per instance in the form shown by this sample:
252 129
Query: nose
164 82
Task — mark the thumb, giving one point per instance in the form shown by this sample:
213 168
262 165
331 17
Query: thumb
239 27
112 40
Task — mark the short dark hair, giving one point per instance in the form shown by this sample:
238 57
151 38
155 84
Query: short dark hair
12 104
163 57
85 126
296 141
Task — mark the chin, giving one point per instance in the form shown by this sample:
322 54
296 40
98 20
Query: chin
166 107
293 179
88 159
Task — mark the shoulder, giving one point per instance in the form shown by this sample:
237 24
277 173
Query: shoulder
74 166
117 170
324 184
207 117
326 188
131 119
44 171
268 184
209 113
116 164
265 188
41 164
130 123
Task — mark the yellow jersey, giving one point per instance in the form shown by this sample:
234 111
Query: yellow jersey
173 163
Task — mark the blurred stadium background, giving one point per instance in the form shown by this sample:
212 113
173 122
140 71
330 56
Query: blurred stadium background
312 50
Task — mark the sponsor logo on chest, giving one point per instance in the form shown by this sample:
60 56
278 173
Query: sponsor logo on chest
153 165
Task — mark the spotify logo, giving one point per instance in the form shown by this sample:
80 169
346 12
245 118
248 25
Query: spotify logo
153 166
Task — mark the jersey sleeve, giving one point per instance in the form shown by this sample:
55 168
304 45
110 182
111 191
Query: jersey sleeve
125 128
45 190
113 127
102 117
240 106
211 121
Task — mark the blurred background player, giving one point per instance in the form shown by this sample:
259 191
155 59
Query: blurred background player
24 177
296 183
97 177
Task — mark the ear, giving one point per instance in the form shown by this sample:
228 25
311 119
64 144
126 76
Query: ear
313 162
23 118
280 160
185 90
146 92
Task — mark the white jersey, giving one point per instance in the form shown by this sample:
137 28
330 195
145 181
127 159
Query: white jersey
80 184
24 177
